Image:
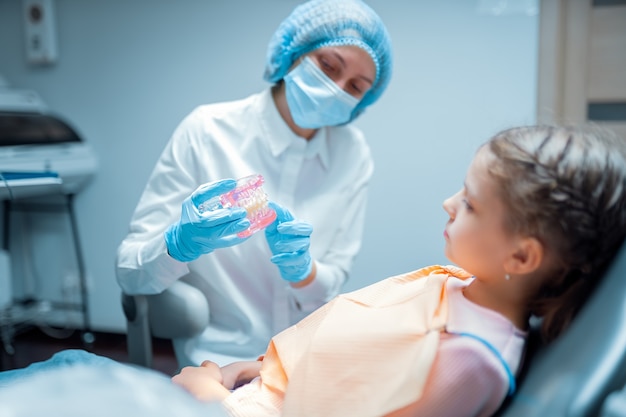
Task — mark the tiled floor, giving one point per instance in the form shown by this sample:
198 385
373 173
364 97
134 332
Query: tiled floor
34 344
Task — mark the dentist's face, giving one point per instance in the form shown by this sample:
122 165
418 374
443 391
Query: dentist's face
349 66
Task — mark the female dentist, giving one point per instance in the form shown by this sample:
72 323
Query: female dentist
328 61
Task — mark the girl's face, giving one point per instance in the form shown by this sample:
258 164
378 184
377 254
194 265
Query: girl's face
349 66
476 239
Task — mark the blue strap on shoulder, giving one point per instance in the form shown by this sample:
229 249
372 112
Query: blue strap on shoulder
507 369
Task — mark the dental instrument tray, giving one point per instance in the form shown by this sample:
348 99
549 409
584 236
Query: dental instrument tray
40 153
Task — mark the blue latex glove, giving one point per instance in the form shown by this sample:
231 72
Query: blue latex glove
289 241
198 233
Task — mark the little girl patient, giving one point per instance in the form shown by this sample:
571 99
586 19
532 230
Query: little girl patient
540 215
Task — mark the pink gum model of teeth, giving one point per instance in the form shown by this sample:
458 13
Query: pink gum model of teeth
248 194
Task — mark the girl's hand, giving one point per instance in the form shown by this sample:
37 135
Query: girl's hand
238 373
203 382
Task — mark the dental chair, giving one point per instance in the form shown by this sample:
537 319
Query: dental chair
181 311
573 376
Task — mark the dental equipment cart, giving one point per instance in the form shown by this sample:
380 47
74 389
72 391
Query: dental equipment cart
43 165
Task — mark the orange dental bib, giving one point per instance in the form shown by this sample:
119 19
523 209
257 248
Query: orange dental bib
365 353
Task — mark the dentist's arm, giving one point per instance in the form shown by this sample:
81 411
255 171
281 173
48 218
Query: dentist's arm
289 240
196 233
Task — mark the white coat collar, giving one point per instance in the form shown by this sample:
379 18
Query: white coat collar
280 137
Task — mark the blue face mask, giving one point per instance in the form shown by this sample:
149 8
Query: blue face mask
315 100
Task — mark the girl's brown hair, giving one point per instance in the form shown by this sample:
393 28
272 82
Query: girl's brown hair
566 187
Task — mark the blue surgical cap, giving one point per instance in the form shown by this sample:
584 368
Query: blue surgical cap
319 23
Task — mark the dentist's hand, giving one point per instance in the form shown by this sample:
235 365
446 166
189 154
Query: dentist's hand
289 240
198 233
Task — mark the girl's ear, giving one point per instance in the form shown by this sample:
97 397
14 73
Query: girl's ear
526 257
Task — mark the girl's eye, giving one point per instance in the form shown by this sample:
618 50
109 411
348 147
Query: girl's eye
467 205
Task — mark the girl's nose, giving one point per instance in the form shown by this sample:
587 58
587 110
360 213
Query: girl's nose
449 206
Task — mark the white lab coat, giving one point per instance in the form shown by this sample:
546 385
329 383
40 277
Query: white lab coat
323 181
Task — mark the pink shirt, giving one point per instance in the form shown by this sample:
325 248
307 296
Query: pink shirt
460 387
466 379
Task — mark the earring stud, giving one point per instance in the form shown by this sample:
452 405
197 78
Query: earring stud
507 277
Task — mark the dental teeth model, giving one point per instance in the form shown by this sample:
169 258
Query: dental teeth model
249 194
